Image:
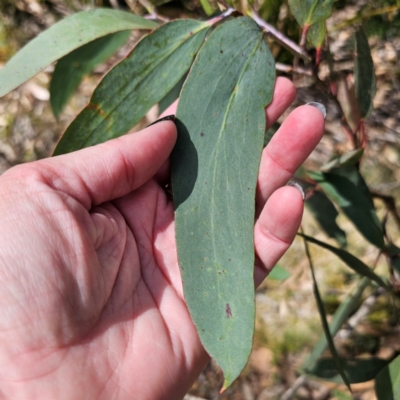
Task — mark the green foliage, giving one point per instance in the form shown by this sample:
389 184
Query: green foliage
224 77
216 159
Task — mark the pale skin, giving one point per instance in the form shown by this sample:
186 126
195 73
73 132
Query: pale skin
91 300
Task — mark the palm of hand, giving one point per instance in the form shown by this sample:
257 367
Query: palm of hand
105 297
89 280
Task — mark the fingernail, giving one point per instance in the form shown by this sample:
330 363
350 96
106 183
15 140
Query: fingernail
319 106
167 118
298 187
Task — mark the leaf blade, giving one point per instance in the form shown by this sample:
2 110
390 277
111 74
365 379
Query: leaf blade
62 38
353 262
71 69
133 86
387 383
364 74
354 204
237 64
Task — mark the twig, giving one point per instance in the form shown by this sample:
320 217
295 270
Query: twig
298 383
279 37
362 312
290 69
221 16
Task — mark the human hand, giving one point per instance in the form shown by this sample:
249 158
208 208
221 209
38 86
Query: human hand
91 297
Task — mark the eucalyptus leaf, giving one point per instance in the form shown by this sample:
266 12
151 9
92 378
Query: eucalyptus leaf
387 383
214 172
364 74
354 204
133 86
71 69
64 37
316 34
321 309
347 159
325 214
278 273
309 12
350 260
171 96
356 371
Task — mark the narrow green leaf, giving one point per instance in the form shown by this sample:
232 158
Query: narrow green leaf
364 75
387 383
133 86
325 326
309 12
278 273
350 260
316 34
352 173
64 37
353 203
325 213
356 371
343 312
348 159
207 7
71 69
171 96
214 172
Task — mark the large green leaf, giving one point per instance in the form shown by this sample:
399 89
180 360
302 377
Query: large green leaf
325 213
387 383
64 37
309 12
356 371
133 86
364 74
221 124
71 69
354 204
351 261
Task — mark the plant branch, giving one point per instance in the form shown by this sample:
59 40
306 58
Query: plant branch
279 37
289 69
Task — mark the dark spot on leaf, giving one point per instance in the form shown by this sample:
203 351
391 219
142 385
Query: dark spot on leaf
97 108
229 259
201 134
221 51
228 311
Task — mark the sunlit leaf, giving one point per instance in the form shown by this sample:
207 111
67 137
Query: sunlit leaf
356 371
350 158
350 260
364 74
171 96
133 86
316 34
387 383
71 69
309 12
325 213
353 203
64 37
278 273
214 172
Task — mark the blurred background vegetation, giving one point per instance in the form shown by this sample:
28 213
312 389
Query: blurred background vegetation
288 322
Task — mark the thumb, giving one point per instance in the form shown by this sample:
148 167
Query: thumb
113 169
